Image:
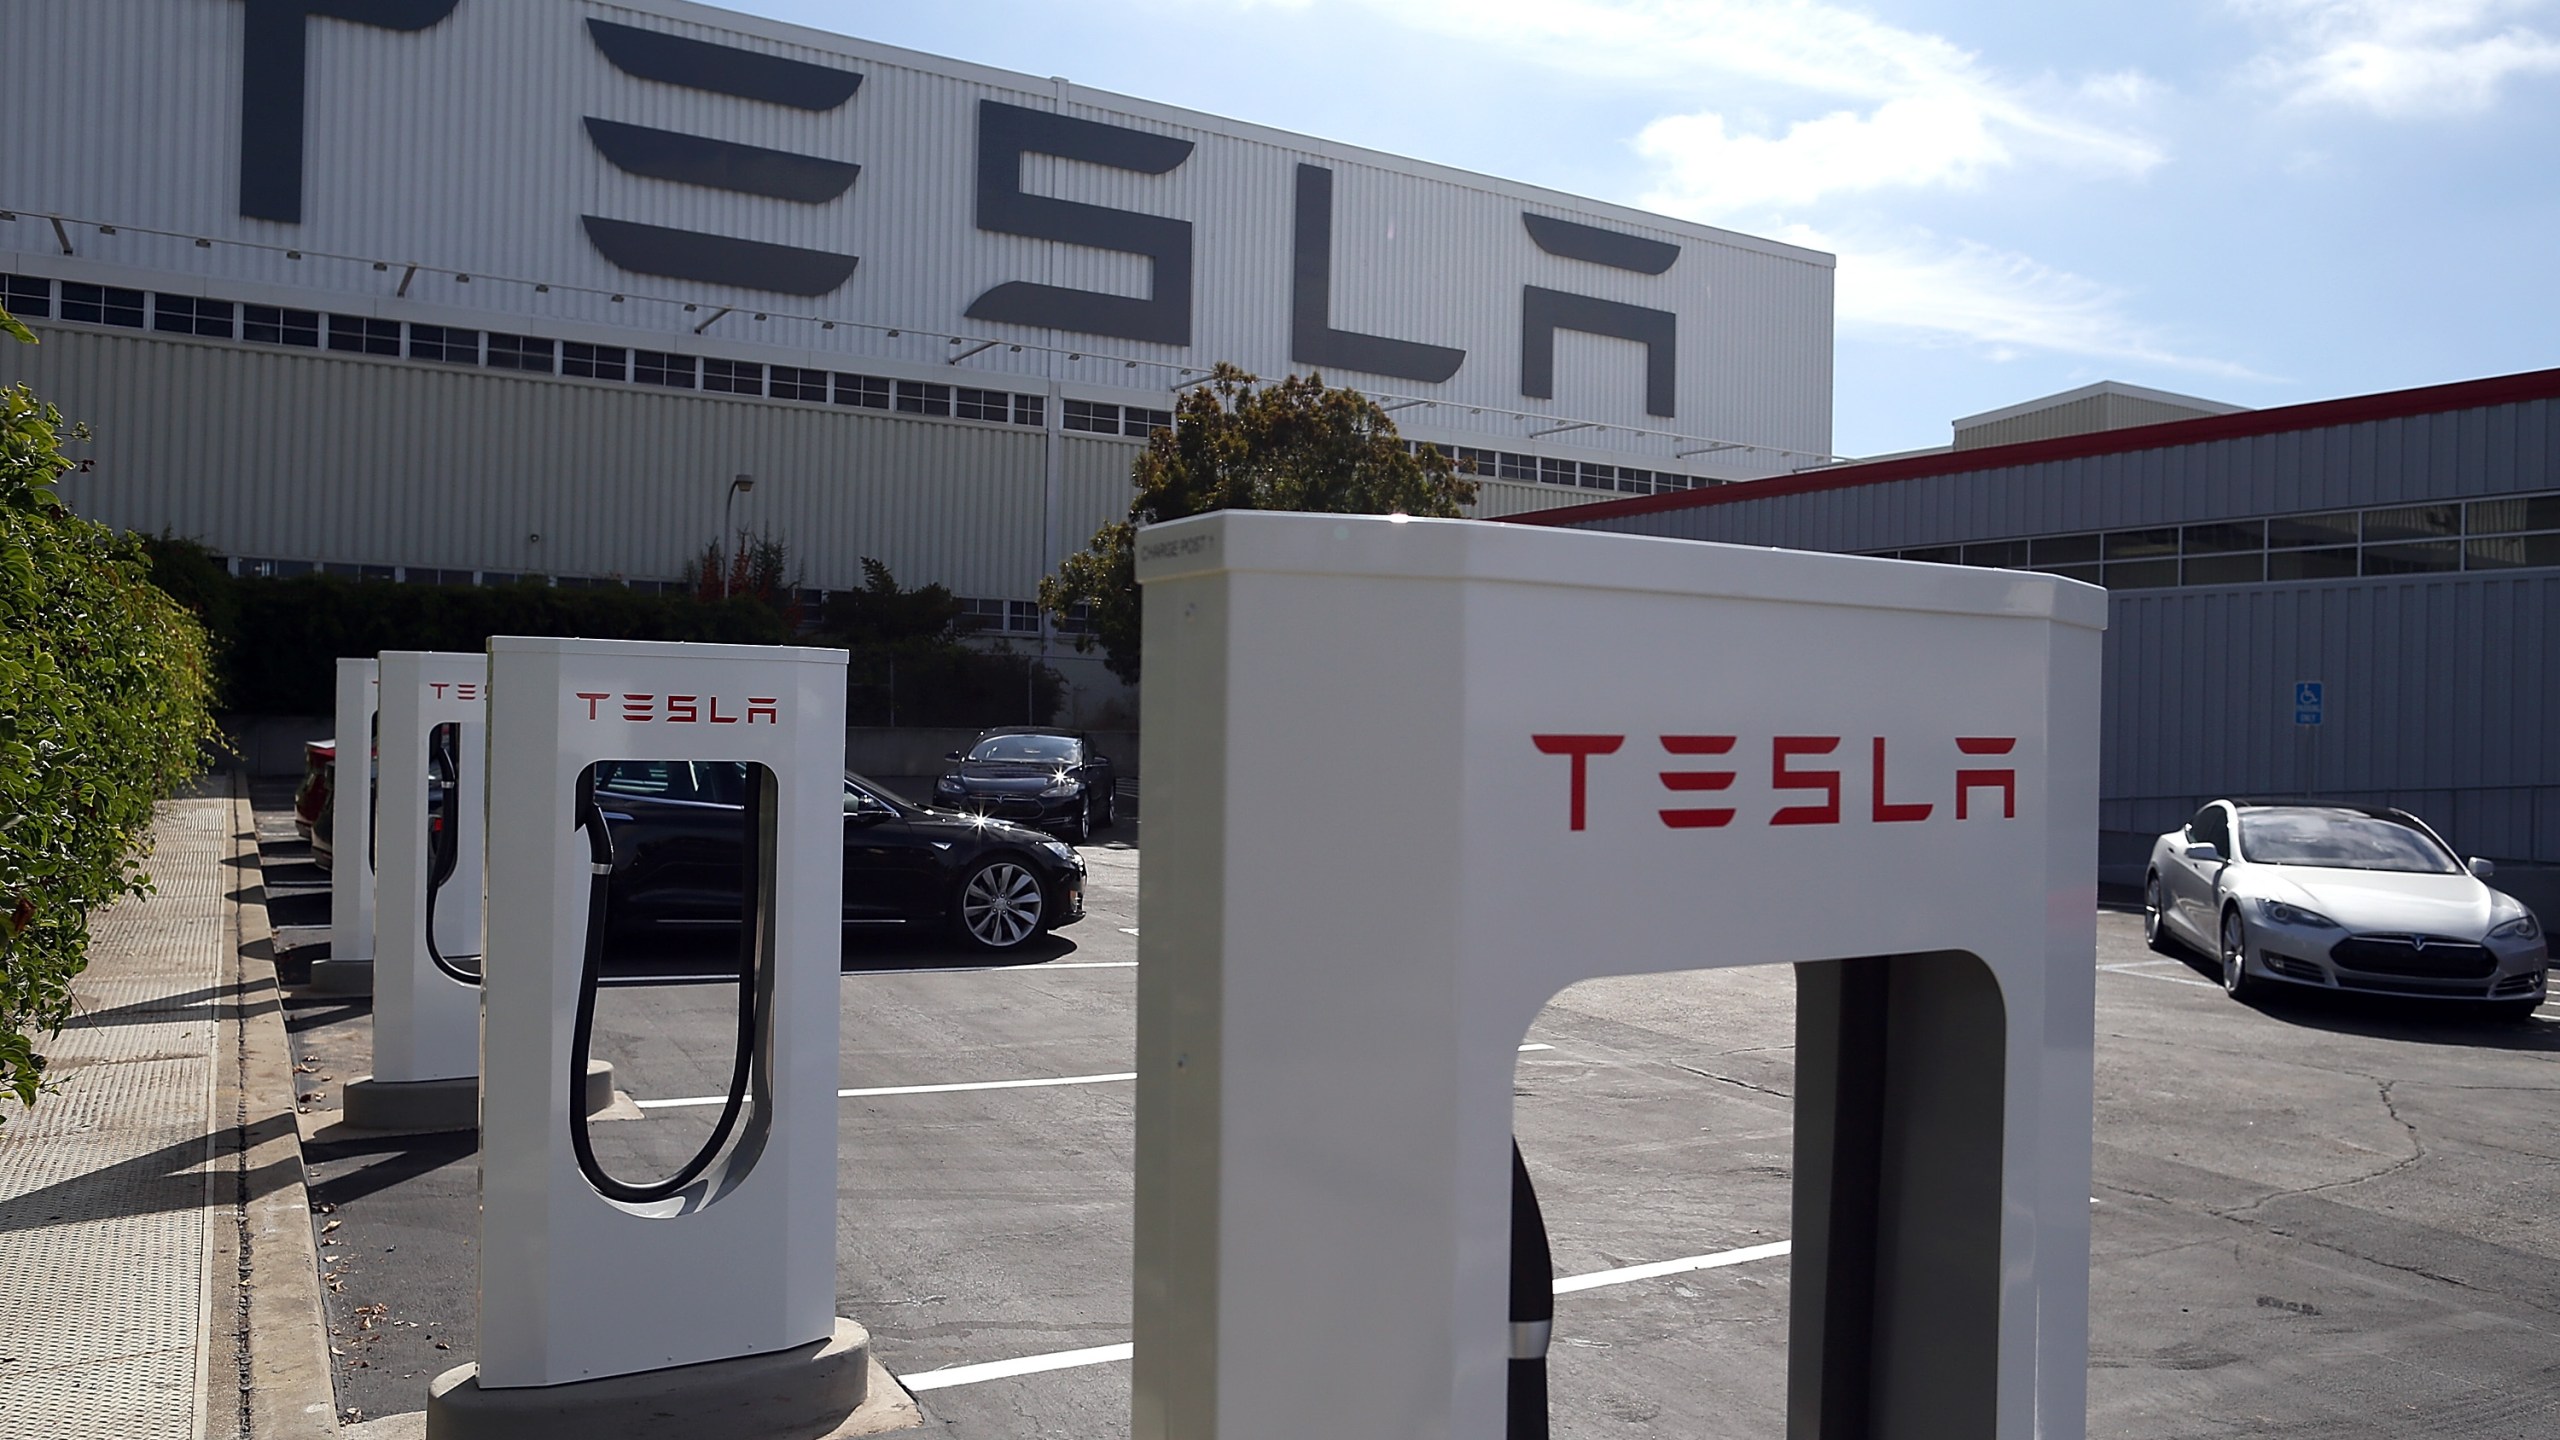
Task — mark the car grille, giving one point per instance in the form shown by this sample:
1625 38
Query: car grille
1005 806
2437 990
2434 959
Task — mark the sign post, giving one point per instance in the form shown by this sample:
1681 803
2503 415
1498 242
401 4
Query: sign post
1571 755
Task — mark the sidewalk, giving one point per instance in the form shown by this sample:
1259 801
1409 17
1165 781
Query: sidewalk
155 1241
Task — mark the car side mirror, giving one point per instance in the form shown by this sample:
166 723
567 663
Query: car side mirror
951 755
2482 868
2204 853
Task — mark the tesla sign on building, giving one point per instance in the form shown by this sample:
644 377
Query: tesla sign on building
605 149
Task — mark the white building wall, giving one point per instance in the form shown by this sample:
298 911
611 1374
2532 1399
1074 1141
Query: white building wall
464 149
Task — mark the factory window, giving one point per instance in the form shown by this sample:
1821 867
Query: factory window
1090 416
1030 410
1516 466
2298 531
1999 554
101 305
1078 620
519 352
2415 558
868 391
2318 564
2506 517
1937 554
593 362
26 296
2507 552
733 377
360 572
792 383
919 398
2412 522
422 575
191 315
658 367
360 335
1136 420
971 404
274 325
444 344
259 569
1012 617
2210 569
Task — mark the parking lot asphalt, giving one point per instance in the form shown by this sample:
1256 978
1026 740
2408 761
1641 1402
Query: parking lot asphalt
2312 1218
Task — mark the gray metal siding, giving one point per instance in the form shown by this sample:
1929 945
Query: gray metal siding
2442 690
297 454
2439 695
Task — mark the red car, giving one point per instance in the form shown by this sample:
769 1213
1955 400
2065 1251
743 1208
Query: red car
311 801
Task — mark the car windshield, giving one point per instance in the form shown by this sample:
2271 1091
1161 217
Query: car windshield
1051 749
2339 840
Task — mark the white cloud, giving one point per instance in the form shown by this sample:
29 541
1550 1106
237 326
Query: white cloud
1887 107
1926 288
2400 57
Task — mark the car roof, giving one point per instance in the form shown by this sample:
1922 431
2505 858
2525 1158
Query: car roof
2378 812
1030 730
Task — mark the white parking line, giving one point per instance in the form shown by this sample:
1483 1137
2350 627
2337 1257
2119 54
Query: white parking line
915 1089
948 1089
954 1375
2134 969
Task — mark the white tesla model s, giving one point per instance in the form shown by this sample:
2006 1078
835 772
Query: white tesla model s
2342 898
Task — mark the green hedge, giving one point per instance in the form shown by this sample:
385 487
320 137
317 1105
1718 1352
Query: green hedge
105 709
285 636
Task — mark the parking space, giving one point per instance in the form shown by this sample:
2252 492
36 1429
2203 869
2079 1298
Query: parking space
2330 1219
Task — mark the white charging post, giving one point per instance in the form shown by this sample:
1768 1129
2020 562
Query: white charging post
426 1014
349 966
1407 780
711 1312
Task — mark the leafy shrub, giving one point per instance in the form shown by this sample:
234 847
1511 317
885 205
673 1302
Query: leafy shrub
105 709
280 657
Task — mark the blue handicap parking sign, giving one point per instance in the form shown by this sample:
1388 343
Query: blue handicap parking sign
2306 702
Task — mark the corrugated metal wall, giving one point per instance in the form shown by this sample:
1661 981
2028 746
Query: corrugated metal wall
299 454
463 148
2441 691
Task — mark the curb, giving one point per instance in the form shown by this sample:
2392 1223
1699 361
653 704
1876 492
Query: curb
269 1376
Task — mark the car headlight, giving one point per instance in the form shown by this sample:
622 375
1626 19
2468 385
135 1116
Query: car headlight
2523 927
948 784
1059 790
2283 914
1061 849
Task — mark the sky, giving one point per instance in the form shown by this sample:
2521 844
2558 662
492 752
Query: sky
2261 202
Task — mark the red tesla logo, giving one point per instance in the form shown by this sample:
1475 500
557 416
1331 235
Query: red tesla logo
1789 771
464 690
681 709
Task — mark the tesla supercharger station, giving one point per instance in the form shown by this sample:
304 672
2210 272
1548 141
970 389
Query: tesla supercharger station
705 1304
427 897
349 967
1407 780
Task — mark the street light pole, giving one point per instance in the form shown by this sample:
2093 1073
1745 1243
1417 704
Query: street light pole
741 483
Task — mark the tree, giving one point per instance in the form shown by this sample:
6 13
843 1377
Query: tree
105 693
909 665
1296 445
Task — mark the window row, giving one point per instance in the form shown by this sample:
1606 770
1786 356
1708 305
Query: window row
1547 470
31 297
982 616
1096 418
2509 533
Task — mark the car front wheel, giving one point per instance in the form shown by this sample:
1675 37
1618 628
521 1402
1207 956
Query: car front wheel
2155 924
1000 905
2237 982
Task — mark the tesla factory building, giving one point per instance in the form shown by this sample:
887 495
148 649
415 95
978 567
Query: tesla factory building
2357 600
457 291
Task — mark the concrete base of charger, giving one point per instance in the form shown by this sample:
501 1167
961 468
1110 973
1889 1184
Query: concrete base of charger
819 1391
427 1105
342 977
